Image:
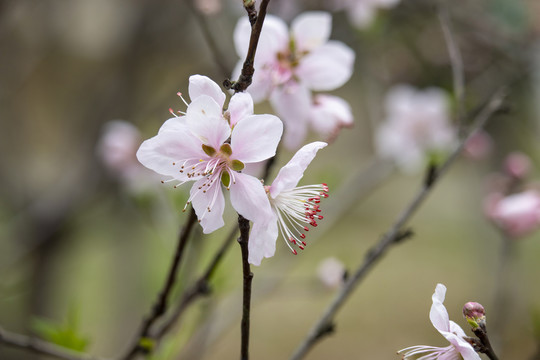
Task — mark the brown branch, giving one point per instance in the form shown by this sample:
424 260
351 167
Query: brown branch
200 288
243 225
325 322
42 347
256 27
143 343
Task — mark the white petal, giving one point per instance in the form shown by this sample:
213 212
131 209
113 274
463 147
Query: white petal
311 30
204 118
201 201
249 199
327 67
262 241
202 85
292 103
168 147
255 138
289 175
240 106
438 314
329 114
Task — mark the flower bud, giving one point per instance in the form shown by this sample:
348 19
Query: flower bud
517 165
475 314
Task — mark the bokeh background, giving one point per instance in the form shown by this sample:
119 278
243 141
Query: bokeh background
82 250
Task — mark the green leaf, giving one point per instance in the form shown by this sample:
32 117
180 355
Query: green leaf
64 334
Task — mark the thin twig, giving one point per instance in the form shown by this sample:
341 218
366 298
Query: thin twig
42 347
200 287
246 76
218 56
320 329
243 225
456 63
159 308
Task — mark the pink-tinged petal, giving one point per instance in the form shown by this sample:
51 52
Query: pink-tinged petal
289 175
255 138
203 200
329 114
202 85
274 38
262 241
311 30
292 103
327 67
174 124
204 118
240 106
165 152
438 314
362 14
249 199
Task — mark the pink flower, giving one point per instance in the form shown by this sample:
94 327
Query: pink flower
210 147
449 329
517 165
517 214
290 65
362 12
417 125
116 148
479 146
331 272
293 208
329 114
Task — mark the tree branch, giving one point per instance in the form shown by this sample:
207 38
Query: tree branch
143 343
320 329
42 347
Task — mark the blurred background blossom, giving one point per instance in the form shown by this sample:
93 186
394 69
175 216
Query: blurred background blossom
70 238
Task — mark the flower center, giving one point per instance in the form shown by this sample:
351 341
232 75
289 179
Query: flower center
297 209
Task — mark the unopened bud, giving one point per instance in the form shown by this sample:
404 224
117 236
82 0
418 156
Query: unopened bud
475 314
517 165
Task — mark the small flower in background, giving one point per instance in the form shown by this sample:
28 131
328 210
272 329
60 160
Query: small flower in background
293 208
517 214
210 147
329 114
208 7
479 146
117 148
417 126
289 65
517 165
449 329
362 13
331 272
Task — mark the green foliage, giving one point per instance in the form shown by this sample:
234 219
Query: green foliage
65 334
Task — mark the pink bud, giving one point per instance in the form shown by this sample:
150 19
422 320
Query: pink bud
478 146
473 310
517 214
517 165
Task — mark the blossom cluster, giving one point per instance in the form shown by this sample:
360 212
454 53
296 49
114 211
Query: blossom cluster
211 147
290 65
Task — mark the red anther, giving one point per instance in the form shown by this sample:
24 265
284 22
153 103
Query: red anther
301 247
324 184
314 224
318 210
304 243
302 236
320 217
306 228
294 252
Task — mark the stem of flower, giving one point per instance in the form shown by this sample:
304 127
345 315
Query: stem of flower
243 225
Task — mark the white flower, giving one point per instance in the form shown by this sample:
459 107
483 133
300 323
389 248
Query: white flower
417 125
459 347
289 65
293 208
